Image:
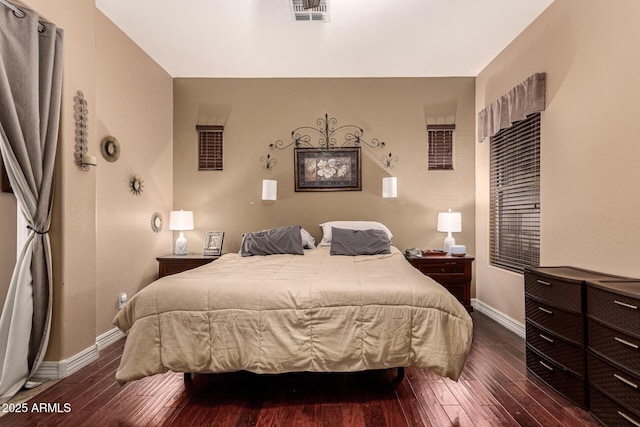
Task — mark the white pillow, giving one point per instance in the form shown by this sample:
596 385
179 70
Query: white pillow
350 225
308 242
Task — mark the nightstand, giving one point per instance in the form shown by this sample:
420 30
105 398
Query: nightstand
452 272
172 264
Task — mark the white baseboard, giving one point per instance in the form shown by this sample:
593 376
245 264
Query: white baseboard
63 368
510 323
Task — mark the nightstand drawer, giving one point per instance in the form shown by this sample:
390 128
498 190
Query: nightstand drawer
172 264
441 267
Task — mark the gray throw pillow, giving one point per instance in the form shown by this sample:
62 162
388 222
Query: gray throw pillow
359 242
284 240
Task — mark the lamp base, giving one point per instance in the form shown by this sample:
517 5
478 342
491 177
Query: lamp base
448 242
181 245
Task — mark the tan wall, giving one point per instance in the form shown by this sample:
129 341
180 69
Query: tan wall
256 112
589 165
134 104
84 304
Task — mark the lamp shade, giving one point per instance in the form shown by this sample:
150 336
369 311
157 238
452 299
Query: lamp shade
389 187
450 221
181 220
269 189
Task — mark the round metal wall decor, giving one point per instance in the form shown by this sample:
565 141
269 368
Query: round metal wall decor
156 222
110 148
136 184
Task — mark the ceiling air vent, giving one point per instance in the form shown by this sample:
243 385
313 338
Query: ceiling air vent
311 10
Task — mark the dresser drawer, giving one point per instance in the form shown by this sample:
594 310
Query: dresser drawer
622 386
613 308
614 345
572 387
563 353
554 291
609 412
565 324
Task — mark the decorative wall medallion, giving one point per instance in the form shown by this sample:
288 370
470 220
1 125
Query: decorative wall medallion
110 148
136 184
156 222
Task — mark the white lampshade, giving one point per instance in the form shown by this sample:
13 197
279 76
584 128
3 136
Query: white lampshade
449 222
180 221
269 189
389 187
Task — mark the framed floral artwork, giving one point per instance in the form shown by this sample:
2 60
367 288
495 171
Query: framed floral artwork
321 169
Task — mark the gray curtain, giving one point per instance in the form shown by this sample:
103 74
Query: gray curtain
527 98
30 93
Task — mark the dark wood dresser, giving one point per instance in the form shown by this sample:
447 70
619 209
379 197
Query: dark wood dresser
452 272
613 343
555 305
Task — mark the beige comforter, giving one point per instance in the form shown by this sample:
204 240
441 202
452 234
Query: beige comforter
284 313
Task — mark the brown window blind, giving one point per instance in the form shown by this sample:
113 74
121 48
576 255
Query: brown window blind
514 212
440 140
209 147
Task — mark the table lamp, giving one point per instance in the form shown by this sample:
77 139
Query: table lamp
181 221
449 222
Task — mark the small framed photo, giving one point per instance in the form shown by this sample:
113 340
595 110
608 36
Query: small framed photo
320 169
213 243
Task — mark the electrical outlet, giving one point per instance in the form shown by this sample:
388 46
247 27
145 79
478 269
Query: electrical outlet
122 300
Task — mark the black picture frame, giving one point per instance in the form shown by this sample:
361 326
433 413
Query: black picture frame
334 169
213 243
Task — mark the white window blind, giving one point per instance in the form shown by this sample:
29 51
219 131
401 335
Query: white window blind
515 196
210 147
440 147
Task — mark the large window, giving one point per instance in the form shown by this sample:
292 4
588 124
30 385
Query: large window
515 196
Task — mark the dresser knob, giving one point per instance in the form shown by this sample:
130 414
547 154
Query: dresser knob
624 304
625 342
626 381
628 418
544 310
546 366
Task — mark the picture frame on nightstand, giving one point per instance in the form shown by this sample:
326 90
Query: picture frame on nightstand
213 243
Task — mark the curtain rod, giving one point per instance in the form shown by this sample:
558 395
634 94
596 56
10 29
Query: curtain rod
19 13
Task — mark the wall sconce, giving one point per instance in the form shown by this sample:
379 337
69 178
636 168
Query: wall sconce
389 187
181 221
269 189
81 115
449 222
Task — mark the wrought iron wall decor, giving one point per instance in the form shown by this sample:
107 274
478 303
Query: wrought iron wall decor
328 133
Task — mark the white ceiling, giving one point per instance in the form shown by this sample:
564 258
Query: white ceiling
364 38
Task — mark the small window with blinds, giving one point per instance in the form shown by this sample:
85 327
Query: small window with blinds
514 212
440 141
209 147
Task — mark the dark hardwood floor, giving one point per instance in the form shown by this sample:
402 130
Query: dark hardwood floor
494 390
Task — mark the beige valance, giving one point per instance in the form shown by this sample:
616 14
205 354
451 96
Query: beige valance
526 98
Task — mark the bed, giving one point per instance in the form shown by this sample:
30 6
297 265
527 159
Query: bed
315 311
